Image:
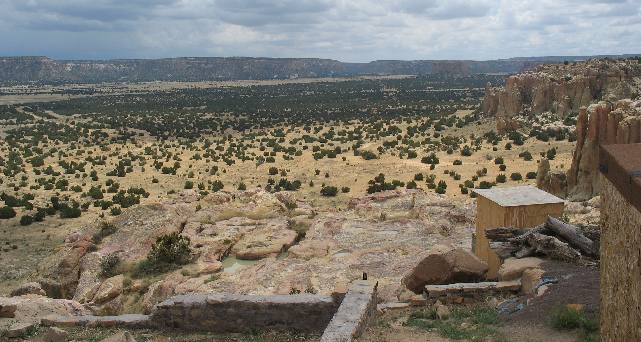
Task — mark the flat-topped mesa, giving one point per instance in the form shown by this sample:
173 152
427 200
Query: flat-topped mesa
560 89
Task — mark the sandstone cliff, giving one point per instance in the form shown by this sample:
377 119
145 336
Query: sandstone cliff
602 123
561 89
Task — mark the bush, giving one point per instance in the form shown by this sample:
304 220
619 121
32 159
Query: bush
189 185
527 156
531 175
108 265
70 212
7 213
345 189
551 154
26 220
498 160
516 176
502 167
501 178
458 162
242 186
329 191
115 211
171 248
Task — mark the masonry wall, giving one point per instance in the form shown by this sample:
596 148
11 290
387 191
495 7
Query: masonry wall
620 267
238 313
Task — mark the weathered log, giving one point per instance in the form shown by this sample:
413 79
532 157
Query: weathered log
552 247
572 235
504 249
540 229
503 234
525 252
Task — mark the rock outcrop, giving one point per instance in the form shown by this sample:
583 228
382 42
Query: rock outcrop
560 89
602 123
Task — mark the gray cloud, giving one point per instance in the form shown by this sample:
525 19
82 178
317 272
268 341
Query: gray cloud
349 30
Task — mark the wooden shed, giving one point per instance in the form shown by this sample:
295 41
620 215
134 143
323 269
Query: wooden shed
518 207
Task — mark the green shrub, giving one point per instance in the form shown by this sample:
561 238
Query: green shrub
329 191
26 220
7 213
108 265
501 178
531 175
167 253
516 176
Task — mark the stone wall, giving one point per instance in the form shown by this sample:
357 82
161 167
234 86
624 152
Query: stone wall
241 313
620 267
357 308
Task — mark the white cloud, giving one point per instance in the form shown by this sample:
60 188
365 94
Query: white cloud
349 30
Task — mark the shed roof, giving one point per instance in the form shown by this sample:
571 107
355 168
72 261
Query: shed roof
518 196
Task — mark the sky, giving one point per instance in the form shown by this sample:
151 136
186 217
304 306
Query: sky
346 30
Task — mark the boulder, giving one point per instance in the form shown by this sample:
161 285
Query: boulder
28 288
266 241
442 312
109 289
20 329
530 279
89 280
121 336
444 265
208 267
32 308
52 334
308 249
513 268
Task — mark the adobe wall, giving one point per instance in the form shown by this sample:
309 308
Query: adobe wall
620 267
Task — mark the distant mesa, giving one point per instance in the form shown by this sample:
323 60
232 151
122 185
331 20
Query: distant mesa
47 70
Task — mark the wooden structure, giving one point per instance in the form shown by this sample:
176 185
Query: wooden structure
518 207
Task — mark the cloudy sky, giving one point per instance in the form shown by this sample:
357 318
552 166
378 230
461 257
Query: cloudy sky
347 30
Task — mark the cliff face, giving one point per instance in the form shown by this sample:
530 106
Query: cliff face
602 123
560 89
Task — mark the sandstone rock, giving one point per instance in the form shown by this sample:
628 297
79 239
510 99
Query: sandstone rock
445 265
513 268
31 308
19 329
89 280
559 90
601 123
442 312
266 241
309 249
29 288
530 280
52 334
109 289
122 336
554 182
208 267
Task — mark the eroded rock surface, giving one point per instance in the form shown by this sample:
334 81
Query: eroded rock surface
560 89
